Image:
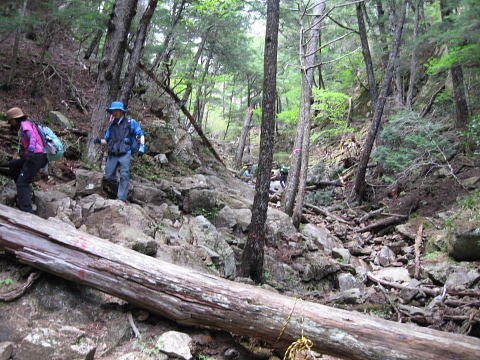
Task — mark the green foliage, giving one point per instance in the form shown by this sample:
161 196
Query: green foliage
146 167
318 172
411 141
471 201
321 198
210 214
4 180
456 56
6 282
291 98
146 347
281 158
289 116
472 132
435 255
330 110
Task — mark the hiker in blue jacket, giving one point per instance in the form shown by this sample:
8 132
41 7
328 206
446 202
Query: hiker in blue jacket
283 175
121 136
24 169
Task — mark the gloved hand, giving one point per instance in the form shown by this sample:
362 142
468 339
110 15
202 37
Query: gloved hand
30 154
141 149
97 141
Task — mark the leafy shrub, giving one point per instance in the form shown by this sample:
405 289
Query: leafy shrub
411 141
330 109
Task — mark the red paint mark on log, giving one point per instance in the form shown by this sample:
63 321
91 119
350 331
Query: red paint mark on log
81 274
82 242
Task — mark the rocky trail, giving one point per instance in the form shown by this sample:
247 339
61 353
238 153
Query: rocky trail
387 258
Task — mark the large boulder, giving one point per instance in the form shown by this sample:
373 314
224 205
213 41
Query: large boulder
200 232
161 135
463 242
60 120
465 246
64 342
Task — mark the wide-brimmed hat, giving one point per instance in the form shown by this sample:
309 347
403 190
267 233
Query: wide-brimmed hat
116 105
14 113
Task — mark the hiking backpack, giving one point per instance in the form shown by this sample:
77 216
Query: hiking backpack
52 145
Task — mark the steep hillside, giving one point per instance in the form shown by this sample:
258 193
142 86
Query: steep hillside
62 81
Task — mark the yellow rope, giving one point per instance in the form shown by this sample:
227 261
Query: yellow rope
302 344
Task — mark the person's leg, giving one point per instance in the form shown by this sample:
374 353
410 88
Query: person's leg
29 171
16 167
110 173
124 165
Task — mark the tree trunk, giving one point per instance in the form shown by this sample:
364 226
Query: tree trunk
136 53
243 138
253 255
413 61
382 29
367 57
360 183
193 66
204 88
297 173
93 44
13 65
456 72
191 298
109 70
310 60
163 57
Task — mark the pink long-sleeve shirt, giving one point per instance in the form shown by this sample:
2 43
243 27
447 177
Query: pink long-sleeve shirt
30 137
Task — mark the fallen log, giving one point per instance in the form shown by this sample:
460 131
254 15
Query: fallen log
323 184
382 223
195 299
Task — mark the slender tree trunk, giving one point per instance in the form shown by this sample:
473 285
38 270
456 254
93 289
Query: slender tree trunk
243 138
382 31
253 255
230 106
456 73
360 183
137 51
203 89
194 64
295 188
399 103
413 61
310 61
94 44
163 57
109 70
367 57
13 66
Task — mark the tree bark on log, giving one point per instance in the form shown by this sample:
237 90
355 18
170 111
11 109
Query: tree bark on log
195 299
382 223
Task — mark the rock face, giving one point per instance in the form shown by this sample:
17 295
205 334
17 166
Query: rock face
465 246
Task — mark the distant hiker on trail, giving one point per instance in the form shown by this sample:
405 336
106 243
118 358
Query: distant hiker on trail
24 170
248 170
122 137
283 175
